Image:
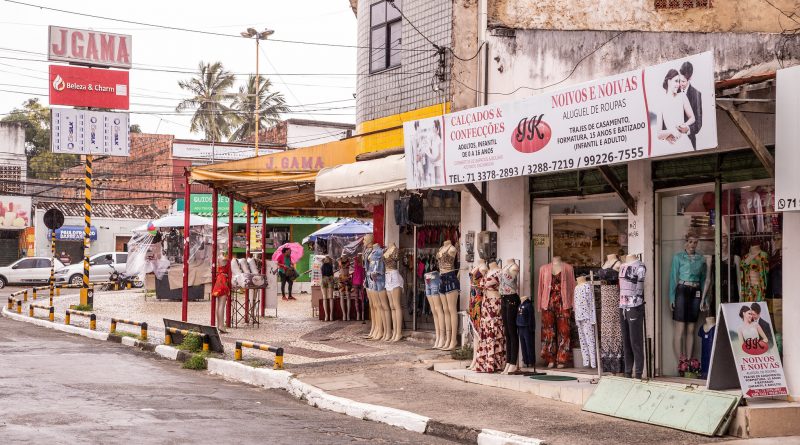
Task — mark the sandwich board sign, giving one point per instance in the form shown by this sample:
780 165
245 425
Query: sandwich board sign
745 354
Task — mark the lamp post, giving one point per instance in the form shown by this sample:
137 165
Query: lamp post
251 33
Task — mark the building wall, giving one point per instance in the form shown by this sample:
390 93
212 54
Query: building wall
411 85
642 15
107 231
13 162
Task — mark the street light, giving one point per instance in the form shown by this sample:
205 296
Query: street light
251 33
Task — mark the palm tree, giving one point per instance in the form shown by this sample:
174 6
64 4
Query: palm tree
270 107
210 89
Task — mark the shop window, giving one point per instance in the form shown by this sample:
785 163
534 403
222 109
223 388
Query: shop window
584 241
749 256
385 35
682 4
276 236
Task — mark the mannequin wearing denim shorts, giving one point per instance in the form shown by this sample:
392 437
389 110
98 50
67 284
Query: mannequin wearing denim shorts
374 320
394 290
432 283
377 283
448 291
687 279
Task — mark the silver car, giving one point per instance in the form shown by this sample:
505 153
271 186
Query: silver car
28 270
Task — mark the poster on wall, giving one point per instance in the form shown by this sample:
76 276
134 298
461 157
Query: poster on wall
656 111
15 212
746 348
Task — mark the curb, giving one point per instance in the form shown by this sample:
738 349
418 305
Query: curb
313 396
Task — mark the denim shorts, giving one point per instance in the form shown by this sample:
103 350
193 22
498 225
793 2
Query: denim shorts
432 283
376 282
687 304
449 282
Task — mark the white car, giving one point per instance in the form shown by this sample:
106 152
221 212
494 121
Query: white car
100 267
28 270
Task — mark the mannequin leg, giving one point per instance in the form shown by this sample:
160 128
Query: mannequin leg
372 321
678 341
690 327
451 299
326 303
438 302
436 326
342 298
397 314
220 308
386 315
379 326
359 302
347 302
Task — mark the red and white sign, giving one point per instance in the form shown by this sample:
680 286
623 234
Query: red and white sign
89 47
88 87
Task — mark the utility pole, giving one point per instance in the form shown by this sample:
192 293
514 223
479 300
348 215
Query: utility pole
249 34
87 297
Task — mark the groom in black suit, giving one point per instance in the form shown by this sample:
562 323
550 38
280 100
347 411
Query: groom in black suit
695 102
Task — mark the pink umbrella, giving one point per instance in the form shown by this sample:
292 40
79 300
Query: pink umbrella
296 252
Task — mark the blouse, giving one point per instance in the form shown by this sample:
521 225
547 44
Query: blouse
584 303
508 283
686 267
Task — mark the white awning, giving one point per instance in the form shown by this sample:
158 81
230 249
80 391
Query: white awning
351 182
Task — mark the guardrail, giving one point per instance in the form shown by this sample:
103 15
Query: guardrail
92 318
12 301
51 309
142 325
169 331
278 351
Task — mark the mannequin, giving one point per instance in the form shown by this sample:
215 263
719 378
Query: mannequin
492 346
374 320
359 276
344 286
394 289
476 276
556 289
706 334
526 324
687 279
611 354
448 291
754 268
585 319
377 279
327 288
509 306
432 284
731 274
631 306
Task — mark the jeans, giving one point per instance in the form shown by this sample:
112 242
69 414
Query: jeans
509 305
285 280
632 326
526 339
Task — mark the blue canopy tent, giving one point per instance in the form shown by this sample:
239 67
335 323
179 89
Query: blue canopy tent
343 227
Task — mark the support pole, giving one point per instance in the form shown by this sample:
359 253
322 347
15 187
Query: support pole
247 255
230 259
86 297
264 261
214 216
187 208
258 81
52 264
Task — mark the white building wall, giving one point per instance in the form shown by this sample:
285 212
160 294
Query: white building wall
791 303
641 231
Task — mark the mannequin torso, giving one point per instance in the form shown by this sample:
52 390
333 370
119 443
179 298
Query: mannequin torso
390 257
508 278
447 257
612 262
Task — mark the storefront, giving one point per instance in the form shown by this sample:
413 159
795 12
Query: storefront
15 218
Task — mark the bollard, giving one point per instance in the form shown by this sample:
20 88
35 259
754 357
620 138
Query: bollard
237 353
66 318
10 303
34 293
93 322
128 285
167 337
25 295
278 359
144 331
143 326
113 326
19 307
30 311
169 331
52 315
58 292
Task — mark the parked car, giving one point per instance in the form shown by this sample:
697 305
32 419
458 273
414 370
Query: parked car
100 267
28 270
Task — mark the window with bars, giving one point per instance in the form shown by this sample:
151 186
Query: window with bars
385 35
682 4
11 179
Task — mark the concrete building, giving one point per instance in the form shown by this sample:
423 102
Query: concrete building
13 174
297 133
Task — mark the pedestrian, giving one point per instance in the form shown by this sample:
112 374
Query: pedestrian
64 258
221 291
286 272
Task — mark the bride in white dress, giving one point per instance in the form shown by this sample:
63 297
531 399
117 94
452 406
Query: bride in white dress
672 124
750 329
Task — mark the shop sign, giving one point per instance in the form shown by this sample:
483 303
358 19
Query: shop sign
87 47
640 114
540 240
15 212
216 152
73 233
88 87
255 237
787 133
85 132
746 341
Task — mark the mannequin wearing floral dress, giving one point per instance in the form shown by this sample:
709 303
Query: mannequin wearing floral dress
492 345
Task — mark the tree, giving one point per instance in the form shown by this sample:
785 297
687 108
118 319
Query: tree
135 128
42 163
271 105
210 90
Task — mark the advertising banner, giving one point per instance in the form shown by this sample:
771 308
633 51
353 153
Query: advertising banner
73 233
255 237
86 132
87 47
217 152
746 341
787 133
656 111
88 87
15 212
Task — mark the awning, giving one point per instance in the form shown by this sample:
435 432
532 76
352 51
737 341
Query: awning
350 182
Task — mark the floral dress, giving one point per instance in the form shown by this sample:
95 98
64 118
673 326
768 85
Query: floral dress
492 343
555 327
475 299
755 268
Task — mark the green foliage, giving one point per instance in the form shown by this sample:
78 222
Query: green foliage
191 342
128 334
135 128
82 307
462 353
270 107
210 89
257 363
197 361
49 165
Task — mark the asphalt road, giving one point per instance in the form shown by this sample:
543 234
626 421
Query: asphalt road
58 388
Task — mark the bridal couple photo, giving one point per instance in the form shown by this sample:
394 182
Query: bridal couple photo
679 117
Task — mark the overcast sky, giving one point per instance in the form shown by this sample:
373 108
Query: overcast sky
306 70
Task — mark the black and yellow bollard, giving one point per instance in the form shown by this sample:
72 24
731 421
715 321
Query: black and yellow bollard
52 315
205 342
66 318
34 293
25 295
92 322
128 285
19 307
30 311
113 326
278 359
237 353
10 303
144 331
167 338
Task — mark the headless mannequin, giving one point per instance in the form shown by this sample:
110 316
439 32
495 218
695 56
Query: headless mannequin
382 314
449 301
556 270
327 293
684 333
511 268
435 303
371 298
612 260
753 277
483 270
395 309
344 287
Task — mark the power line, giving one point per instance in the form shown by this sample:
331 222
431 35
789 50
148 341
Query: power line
196 31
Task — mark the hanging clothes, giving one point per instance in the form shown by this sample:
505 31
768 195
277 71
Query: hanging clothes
754 269
585 319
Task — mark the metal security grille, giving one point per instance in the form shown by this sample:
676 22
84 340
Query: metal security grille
11 179
682 4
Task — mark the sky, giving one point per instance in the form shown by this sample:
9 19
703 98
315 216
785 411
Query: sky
311 77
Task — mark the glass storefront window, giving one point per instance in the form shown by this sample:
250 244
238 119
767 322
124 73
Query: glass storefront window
584 241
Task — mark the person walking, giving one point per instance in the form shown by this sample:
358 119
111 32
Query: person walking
286 272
